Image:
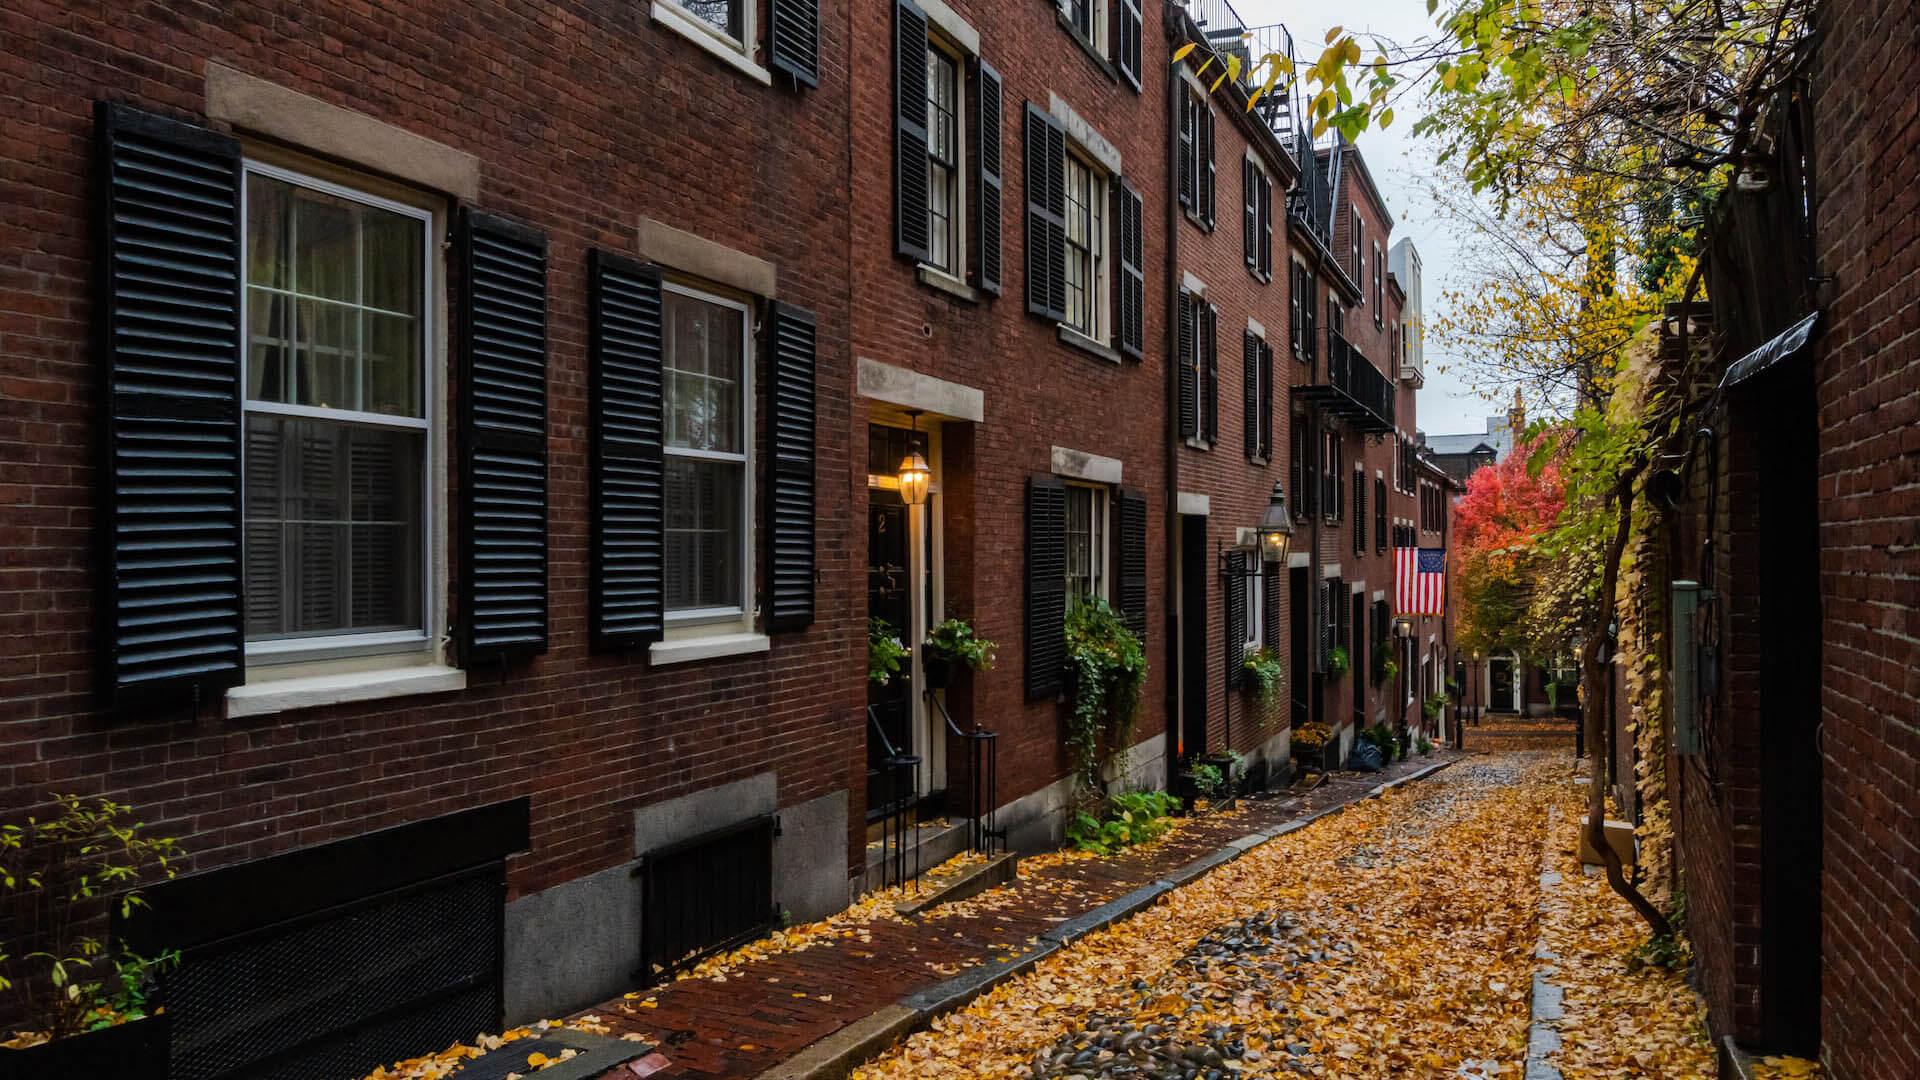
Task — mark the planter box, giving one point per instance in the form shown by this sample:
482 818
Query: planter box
136 1050
938 671
1619 837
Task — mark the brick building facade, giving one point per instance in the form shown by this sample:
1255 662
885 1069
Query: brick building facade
437 451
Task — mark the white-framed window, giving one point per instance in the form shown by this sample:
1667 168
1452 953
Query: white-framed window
1359 251
946 196
1086 270
340 416
1086 543
1088 19
706 350
1251 629
729 20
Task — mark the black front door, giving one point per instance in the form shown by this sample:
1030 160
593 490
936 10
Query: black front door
1500 686
889 597
1300 635
1193 637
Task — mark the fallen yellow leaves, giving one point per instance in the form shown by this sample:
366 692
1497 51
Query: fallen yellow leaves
441 1065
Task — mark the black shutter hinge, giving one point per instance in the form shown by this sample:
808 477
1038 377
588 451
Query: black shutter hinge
776 825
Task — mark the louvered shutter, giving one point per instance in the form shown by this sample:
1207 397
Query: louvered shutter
1359 513
1323 625
790 499
1380 515
1265 213
1270 601
1236 616
1249 207
989 186
1189 310
1046 586
1126 45
1189 108
1046 195
1210 378
793 40
1266 401
1132 305
1133 561
627 599
912 231
1250 392
503 440
1207 154
169 318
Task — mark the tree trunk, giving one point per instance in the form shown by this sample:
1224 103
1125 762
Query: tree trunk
1597 720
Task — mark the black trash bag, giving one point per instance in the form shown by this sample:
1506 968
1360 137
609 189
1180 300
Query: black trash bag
1365 757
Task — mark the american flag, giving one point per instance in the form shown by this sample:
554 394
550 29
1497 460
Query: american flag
1419 581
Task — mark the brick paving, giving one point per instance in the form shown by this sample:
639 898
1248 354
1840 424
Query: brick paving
768 1010
1497 733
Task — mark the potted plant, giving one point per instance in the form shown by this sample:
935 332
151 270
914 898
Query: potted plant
1431 707
1265 674
953 642
1337 662
1315 744
884 651
85 1002
1385 669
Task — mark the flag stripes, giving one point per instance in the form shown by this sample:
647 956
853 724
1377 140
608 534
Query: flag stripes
1419 581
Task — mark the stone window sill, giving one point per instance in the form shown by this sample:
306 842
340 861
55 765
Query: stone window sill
269 696
691 28
1093 51
709 647
1080 341
1198 443
935 278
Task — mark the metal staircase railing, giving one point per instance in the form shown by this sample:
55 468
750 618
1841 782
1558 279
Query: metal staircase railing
983 780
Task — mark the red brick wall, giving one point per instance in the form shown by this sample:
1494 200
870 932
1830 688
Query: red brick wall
1238 488
1867 148
584 119
1039 393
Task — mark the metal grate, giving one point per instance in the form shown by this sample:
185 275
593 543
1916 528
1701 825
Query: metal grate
704 895
343 990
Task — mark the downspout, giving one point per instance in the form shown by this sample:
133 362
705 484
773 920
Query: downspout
1169 21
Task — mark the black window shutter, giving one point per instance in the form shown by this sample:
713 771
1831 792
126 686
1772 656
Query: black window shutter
912 233
1270 600
989 174
1132 304
1207 184
1189 309
1359 513
168 318
1210 391
1133 561
1250 392
793 39
1187 156
503 440
1265 213
1046 586
627 602
1266 401
1126 52
1249 206
1046 195
1379 515
790 499
1236 616
1323 625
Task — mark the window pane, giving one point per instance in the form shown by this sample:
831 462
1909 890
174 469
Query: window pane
334 520
704 361
703 533
722 15
1085 544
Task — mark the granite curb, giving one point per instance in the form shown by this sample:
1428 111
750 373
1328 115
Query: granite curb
836 1055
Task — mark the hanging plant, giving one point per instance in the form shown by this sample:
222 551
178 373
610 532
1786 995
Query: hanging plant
1337 662
1107 666
884 651
955 642
1266 673
1384 667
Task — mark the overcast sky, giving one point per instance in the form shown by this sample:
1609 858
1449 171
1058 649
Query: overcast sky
1402 166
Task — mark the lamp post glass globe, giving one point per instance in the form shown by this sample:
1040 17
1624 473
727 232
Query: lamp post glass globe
1276 528
915 476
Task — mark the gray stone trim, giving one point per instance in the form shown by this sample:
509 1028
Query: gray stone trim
1080 465
681 250
914 390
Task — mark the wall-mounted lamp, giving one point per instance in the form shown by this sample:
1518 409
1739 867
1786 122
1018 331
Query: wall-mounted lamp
1276 527
915 475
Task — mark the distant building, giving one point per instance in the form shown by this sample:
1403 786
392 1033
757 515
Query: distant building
1460 455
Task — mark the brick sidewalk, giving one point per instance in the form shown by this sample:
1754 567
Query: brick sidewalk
768 1010
1497 733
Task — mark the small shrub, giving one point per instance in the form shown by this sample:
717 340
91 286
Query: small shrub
1425 746
1133 817
1337 662
884 651
1206 780
955 640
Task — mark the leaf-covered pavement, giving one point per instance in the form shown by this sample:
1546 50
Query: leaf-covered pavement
1395 939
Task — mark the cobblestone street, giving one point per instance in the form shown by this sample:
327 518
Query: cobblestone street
1393 939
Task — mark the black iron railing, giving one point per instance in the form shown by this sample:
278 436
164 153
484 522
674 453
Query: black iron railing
983 781
902 818
704 895
1354 388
